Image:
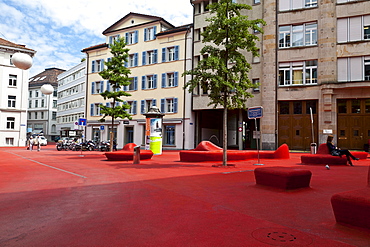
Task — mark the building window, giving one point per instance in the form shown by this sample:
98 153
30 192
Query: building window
285 5
298 73
97 87
55 102
42 103
113 38
10 122
353 29
150 57
132 86
170 54
147 104
354 69
170 79
42 115
12 80
367 32
256 82
149 33
30 104
133 60
256 1
95 109
36 115
367 69
97 65
298 35
9 141
132 110
197 35
132 37
149 82
54 115
169 105
169 135
11 101
36 103
36 94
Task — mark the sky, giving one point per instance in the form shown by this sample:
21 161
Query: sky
59 30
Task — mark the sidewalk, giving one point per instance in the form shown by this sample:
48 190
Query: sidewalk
63 198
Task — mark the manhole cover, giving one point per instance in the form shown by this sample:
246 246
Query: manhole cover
281 237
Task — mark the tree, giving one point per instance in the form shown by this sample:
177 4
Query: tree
223 72
118 76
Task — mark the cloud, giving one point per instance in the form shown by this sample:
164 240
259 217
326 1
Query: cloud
58 31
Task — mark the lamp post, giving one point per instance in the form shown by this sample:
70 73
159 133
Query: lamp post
22 61
153 130
47 89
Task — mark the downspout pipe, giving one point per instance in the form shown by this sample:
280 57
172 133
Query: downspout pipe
184 104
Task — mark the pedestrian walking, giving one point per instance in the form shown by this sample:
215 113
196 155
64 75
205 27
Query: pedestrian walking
36 142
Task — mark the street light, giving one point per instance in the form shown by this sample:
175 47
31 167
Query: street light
22 60
47 89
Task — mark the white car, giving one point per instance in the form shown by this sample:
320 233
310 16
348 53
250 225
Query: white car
43 141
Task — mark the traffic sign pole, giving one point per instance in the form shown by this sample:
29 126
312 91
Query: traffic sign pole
254 113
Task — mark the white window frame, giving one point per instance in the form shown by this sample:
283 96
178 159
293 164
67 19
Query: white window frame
171 54
170 106
12 101
150 82
12 80
287 71
298 35
10 123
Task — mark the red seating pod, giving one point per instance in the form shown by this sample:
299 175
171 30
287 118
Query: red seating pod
323 156
207 151
127 153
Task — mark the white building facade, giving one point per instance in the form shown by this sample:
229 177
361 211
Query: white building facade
13 96
71 100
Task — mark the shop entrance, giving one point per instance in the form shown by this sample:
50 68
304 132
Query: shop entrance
295 127
353 123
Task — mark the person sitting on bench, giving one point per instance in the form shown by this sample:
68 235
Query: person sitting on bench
335 151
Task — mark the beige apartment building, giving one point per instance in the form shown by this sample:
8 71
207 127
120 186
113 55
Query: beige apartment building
159 54
314 65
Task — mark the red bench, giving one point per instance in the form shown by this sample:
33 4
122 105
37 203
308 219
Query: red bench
207 151
127 153
283 177
324 157
353 207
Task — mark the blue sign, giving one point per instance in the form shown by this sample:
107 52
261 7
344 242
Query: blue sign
82 121
255 112
101 127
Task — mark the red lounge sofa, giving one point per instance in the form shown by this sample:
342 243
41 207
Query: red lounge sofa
324 157
127 153
207 151
283 177
353 207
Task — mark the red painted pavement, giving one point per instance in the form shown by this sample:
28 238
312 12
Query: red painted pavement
60 198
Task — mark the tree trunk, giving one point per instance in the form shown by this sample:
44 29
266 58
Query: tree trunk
224 157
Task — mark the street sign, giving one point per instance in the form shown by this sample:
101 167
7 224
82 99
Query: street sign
101 127
82 121
255 112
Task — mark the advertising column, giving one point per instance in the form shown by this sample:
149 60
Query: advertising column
153 130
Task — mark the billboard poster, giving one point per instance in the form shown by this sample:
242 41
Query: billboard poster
153 133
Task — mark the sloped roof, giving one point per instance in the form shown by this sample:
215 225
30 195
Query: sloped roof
94 47
49 75
132 14
175 30
4 42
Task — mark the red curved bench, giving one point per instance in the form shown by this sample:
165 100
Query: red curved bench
207 151
127 153
353 207
283 177
324 157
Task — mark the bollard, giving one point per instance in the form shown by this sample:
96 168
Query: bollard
313 148
136 155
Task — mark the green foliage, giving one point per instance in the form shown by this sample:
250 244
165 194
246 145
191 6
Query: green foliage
118 76
224 70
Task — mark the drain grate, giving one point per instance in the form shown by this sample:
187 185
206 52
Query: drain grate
281 237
